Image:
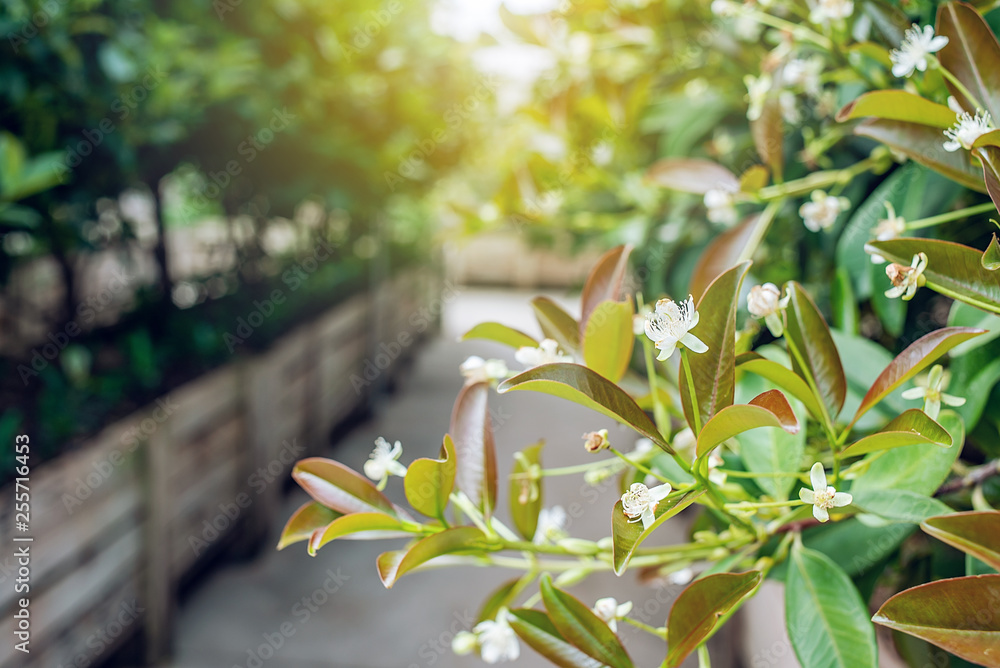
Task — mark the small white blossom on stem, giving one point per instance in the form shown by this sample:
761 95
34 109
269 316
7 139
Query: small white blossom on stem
670 324
930 388
765 301
789 107
464 643
497 641
639 502
822 210
477 370
822 496
906 280
681 577
551 525
804 72
595 441
967 130
888 228
918 43
382 462
721 206
826 11
757 90
609 611
547 352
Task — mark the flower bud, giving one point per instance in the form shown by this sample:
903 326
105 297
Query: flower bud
595 441
464 643
579 546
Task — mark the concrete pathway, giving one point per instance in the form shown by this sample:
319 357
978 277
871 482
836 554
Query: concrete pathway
281 599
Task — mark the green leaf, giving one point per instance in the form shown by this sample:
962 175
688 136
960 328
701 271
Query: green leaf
867 361
604 283
754 178
475 453
898 105
608 339
339 488
500 598
494 331
556 324
915 358
396 564
924 144
918 468
898 505
627 536
768 134
692 175
976 533
526 495
991 256
989 156
376 525
769 409
697 611
714 371
827 620
580 626
304 522
721 254
964 315
955 268
587 388
972 55
846 316
958 615
809 333
783 377
536 629
428 482
912 427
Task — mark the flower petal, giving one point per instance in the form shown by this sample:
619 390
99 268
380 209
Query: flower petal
659 492
648 517
914 393
667 347
693 343
774 324
841 499
933 408
950 400
818 477
807 495
821 514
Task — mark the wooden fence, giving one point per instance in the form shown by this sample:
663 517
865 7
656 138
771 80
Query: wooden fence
121 521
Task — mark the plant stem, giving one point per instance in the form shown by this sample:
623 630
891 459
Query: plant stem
746 505
695 407
760 230
659 633
639 466
951 215
953 80
820 180
704 660
659 412
751 474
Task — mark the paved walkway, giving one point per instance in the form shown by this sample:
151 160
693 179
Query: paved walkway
228 622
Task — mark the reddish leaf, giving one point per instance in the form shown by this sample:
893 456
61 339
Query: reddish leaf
990 157
810 334
924 144
769 135
692 175
976 533
537 630
961 616
972 55
338 487
605 282
783 377
714 371
769 409
396 564
700 607
304 522
475 453
918 356
722 254
556 324
580 626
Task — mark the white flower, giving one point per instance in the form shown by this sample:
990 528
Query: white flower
715 476
547 352
930 388
671 325
765 301
822 496
747 28
918 43
967 130
477 370
684 443
789 107
595 441
681 577
551 525
382 462
831 10
888 228
906 280
757 90
804 72
725 8
497 641
464 643
721 206
609 611
639 502
820 213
